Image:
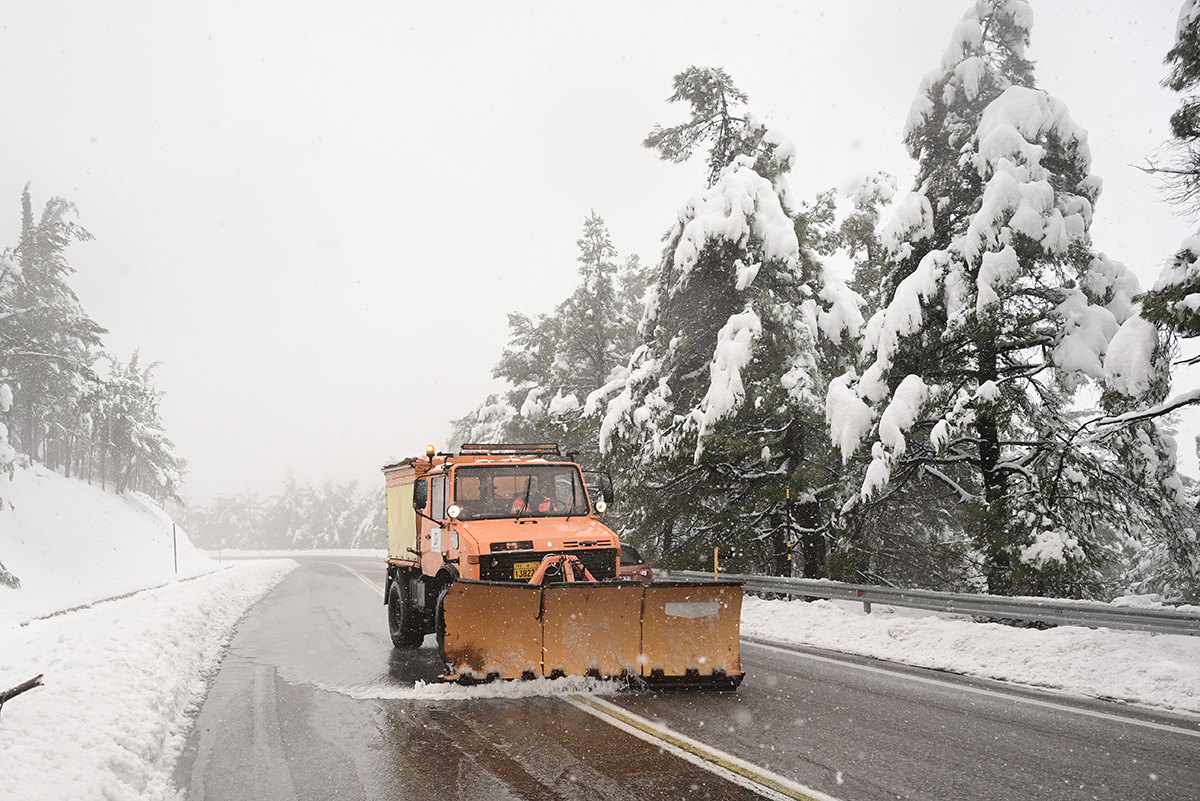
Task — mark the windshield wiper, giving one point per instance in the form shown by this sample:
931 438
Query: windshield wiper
574 499
525 503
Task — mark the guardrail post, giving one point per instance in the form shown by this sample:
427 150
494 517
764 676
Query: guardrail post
866 604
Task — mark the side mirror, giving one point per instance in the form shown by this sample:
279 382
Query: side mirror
607 494
420 494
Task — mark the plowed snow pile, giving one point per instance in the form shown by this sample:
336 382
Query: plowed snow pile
120 675
1160 670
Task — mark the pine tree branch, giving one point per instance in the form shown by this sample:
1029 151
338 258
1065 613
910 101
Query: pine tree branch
963 494
1109 424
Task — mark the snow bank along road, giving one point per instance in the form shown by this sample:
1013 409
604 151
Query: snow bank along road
122 678
313 702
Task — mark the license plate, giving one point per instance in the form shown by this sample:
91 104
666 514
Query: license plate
524 570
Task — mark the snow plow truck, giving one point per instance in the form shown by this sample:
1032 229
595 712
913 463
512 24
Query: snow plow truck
500 550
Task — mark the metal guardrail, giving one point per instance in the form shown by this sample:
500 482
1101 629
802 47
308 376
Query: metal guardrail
1044 610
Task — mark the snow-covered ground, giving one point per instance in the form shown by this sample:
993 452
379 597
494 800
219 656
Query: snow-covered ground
1160 670
122 675
70 544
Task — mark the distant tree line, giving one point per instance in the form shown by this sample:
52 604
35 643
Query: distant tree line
301 516
63 401
983 405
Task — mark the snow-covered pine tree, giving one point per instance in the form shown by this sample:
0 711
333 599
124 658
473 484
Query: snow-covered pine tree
998 312
1173 303
554 362
1137 364
47 340
718 410
138 454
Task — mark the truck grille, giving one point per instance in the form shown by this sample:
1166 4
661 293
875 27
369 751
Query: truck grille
600 562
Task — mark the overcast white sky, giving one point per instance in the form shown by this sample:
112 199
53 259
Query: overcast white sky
316 216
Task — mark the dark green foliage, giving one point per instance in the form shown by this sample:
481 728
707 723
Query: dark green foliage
714 101
1164 306
1169 305
553 363
1184 60
8 579
1180 167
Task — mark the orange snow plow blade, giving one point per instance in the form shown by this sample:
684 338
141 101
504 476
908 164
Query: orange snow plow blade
668 634
493 630
591 629
690 634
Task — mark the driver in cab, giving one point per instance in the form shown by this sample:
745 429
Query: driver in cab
534 499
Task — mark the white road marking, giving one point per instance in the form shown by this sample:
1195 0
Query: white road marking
982 691
363 578
728 767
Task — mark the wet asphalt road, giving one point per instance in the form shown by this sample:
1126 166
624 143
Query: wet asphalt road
305 706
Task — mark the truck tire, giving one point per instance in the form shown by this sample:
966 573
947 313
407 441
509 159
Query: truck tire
439 621
403 623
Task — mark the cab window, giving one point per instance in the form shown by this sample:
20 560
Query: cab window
437 497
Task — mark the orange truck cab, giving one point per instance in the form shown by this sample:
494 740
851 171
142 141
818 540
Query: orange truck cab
491 513
500 551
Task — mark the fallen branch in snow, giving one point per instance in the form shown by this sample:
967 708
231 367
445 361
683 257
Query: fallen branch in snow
8 695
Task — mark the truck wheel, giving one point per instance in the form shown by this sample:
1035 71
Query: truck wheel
403 624
439 620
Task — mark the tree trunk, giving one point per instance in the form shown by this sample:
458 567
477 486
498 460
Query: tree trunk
781 541
993 535
812 542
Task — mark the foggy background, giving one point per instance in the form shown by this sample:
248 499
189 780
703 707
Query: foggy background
317 218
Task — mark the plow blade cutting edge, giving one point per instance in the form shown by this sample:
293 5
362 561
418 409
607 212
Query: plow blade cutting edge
666 634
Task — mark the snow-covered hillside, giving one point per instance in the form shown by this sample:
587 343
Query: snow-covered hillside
121 675
69 544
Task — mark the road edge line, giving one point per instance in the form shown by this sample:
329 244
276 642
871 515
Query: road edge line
362 578
727 766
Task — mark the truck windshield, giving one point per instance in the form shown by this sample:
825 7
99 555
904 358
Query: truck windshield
525 490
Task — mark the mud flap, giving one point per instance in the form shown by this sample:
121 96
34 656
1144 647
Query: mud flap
690 634
493 630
